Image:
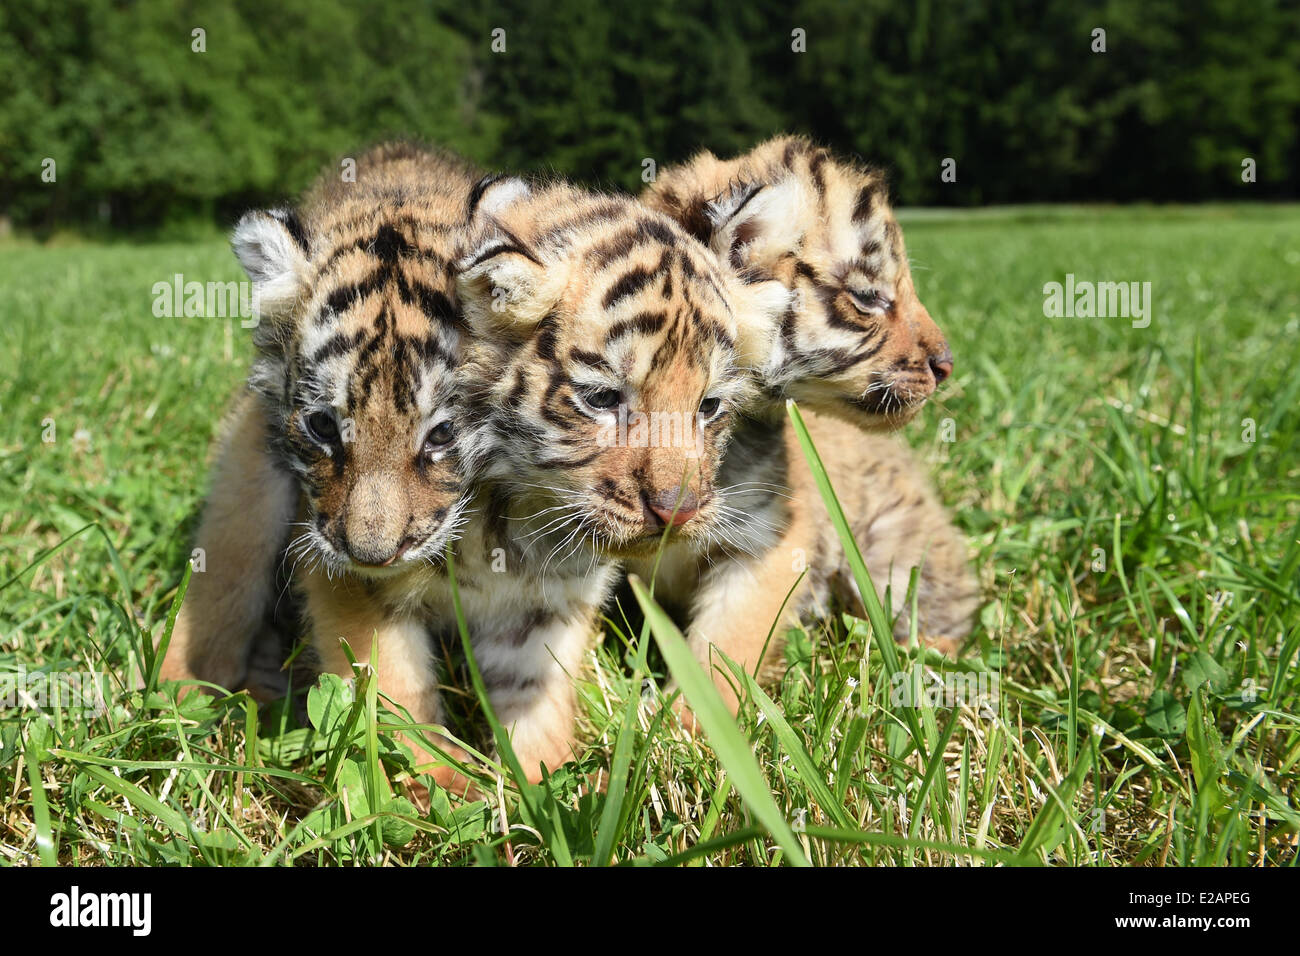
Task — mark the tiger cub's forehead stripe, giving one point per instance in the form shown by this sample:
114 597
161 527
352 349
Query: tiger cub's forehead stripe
394 233
630 283
591 359
382 317
398 259
434 303
681 320
644 323
865 205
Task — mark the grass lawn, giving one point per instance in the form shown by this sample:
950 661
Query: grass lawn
1130 494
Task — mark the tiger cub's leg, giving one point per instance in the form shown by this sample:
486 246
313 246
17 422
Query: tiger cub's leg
530 684
947 593
345 610
243 530
899 524
745 604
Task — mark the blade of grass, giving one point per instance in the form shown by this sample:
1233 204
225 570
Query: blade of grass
170 817
377 791
731 747
933 769
620 765
46 847
1048 826
154 657
793 747
727 840
907 843
875 611
716 803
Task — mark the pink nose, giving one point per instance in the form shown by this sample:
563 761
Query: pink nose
672 507
372 559
941 366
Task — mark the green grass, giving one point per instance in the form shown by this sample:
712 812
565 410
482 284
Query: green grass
1140 563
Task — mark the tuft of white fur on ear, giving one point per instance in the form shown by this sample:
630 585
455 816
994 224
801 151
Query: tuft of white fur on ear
498 193
756 224
722 207
501 284
269 245
760 307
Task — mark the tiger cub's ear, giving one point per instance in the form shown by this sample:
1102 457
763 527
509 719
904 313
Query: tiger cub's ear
505 287
755 224
493 195
271 245
760 308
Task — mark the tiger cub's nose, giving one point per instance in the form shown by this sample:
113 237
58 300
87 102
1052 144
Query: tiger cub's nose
941 365
670 507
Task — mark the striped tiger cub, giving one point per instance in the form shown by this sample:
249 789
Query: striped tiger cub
543 376
861 355
609 357
352 445
356 346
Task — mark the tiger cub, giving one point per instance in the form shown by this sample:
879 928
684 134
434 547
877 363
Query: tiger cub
357 339
544 308
352 432
860 353
609 358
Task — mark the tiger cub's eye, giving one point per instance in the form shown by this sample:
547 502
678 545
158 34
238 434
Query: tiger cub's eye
321 426
868 300
439 437
602 398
